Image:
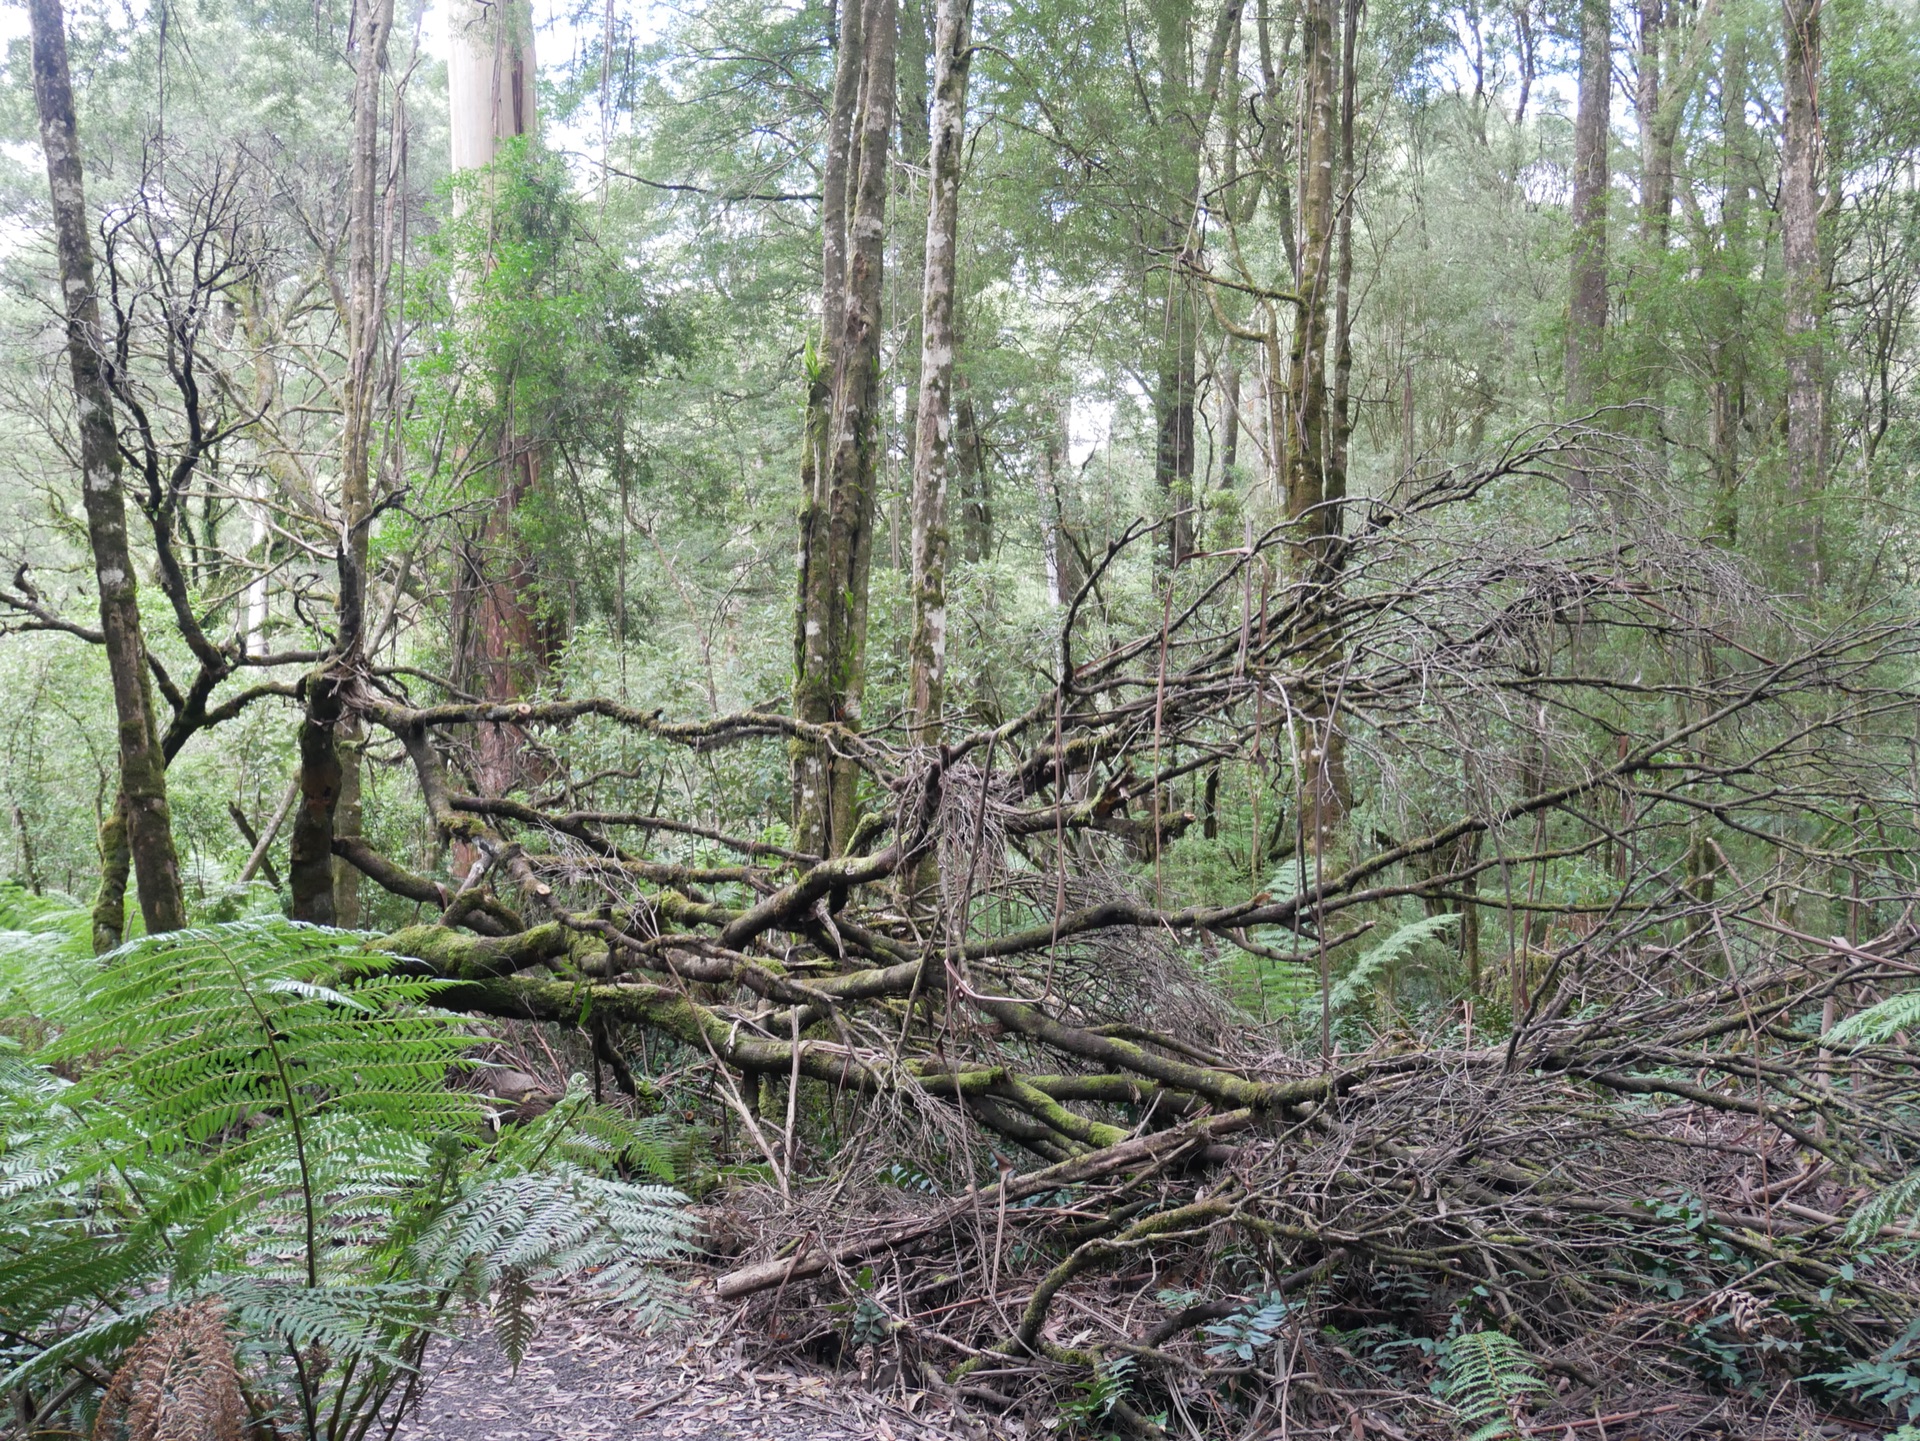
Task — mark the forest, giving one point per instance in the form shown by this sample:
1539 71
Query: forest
1137 718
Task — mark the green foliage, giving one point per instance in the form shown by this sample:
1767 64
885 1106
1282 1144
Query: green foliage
1900 1200
45 950
1095 1396
1252 1329
1396 951
1487 1377
1888 1379
261 1113
1879 1022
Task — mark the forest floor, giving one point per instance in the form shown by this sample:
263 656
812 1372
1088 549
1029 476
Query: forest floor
595 1376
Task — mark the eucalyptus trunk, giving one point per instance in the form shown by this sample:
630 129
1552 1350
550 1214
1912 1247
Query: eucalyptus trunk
506 640
143 775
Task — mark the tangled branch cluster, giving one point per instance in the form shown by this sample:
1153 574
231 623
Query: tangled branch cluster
1019 1137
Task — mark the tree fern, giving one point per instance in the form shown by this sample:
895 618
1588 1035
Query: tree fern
46 952
1488 1378
260 1118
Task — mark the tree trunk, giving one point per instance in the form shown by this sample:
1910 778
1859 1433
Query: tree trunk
1229 422
1060 521
1306 434
1339 441
1727 350
1188 122
1587 307
1174 385
1312 480
310 858
325 890
116 860
976 485
927 655
1800 200
143 776
507 643
1657 120
908 263
837 527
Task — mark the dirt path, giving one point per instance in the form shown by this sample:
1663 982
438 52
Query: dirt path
596 1378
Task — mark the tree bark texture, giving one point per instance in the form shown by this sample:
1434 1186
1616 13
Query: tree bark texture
933 429
1727 346
1307 441
837 523
1800 204
143 777
1587 306
506 642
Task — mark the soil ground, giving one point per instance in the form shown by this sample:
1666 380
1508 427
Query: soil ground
600 1377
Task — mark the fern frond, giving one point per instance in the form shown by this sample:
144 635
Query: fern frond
1890 1206
1392 953
260 1114
1487 1377
1880 1022
46 951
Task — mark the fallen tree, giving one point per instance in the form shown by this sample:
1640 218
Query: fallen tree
1656 828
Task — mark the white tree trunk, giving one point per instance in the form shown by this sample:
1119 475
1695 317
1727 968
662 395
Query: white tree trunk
490 79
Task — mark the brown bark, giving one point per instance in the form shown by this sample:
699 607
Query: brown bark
1314 447
1338 442
1800 203
310 859
812 700
1587 306
143 779
1060 519
1657 118
505 640
1174 385
1187 118
927 655
1229 423
837 526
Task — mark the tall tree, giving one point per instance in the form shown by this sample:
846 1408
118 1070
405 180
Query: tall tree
325 890
1587 305
1800 204
1307 438
836 529
504 638
1175 381
1726 270
1186 117
933 452
142 819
